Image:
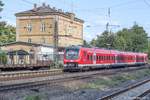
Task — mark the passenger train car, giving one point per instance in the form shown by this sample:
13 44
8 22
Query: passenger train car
81 58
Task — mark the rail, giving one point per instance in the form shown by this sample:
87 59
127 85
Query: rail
117 93
50 79
5 76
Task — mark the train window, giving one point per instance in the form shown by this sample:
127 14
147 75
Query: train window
97 58
91 57
84 53
88 57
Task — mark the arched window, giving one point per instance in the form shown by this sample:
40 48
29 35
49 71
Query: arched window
43 27
29 40
29 27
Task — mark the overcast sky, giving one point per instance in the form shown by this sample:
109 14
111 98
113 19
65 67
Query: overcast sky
95 13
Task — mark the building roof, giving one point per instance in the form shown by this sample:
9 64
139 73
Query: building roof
47 10
31 44
27 43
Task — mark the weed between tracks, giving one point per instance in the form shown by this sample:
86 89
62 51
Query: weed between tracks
95 83
33 98
111 81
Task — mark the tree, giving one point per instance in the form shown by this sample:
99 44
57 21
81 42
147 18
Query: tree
139 38
1 5
85 43
104 41
132 39
7 33
93 42
120 43
3 57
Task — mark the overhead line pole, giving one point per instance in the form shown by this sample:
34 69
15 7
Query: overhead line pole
55 38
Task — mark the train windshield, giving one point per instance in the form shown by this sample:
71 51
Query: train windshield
72 54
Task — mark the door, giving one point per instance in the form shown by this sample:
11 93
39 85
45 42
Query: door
94 58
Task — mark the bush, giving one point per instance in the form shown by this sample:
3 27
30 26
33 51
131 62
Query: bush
3 57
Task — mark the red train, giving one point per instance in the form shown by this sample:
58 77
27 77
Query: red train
82 58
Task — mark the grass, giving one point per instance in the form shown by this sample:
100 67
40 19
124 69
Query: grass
36 97
111 81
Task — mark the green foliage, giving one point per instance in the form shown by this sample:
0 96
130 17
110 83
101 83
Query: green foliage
117 79
104 41
3 57
120 43
33 98
1 5
7 33
133 39
85 43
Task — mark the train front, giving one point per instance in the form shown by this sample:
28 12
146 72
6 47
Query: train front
71 59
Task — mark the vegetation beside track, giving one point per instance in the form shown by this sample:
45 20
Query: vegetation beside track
35 97
106 82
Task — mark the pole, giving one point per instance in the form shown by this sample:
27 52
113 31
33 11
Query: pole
55 41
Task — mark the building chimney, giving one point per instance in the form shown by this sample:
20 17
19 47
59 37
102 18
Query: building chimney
59 10
72 15
43 4
35 6
48 6
54 8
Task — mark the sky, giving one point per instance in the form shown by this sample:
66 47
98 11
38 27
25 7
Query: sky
95 13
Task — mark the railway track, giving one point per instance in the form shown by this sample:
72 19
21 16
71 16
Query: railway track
7 76
130 92
52 79
139 97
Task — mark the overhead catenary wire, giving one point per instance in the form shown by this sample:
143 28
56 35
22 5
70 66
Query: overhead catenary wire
147 3
111 6
28 2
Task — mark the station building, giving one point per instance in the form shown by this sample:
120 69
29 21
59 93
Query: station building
39 30
40 24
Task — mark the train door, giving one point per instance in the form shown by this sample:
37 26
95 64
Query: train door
85 57
94 58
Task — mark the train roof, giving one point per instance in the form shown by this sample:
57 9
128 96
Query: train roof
102 50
